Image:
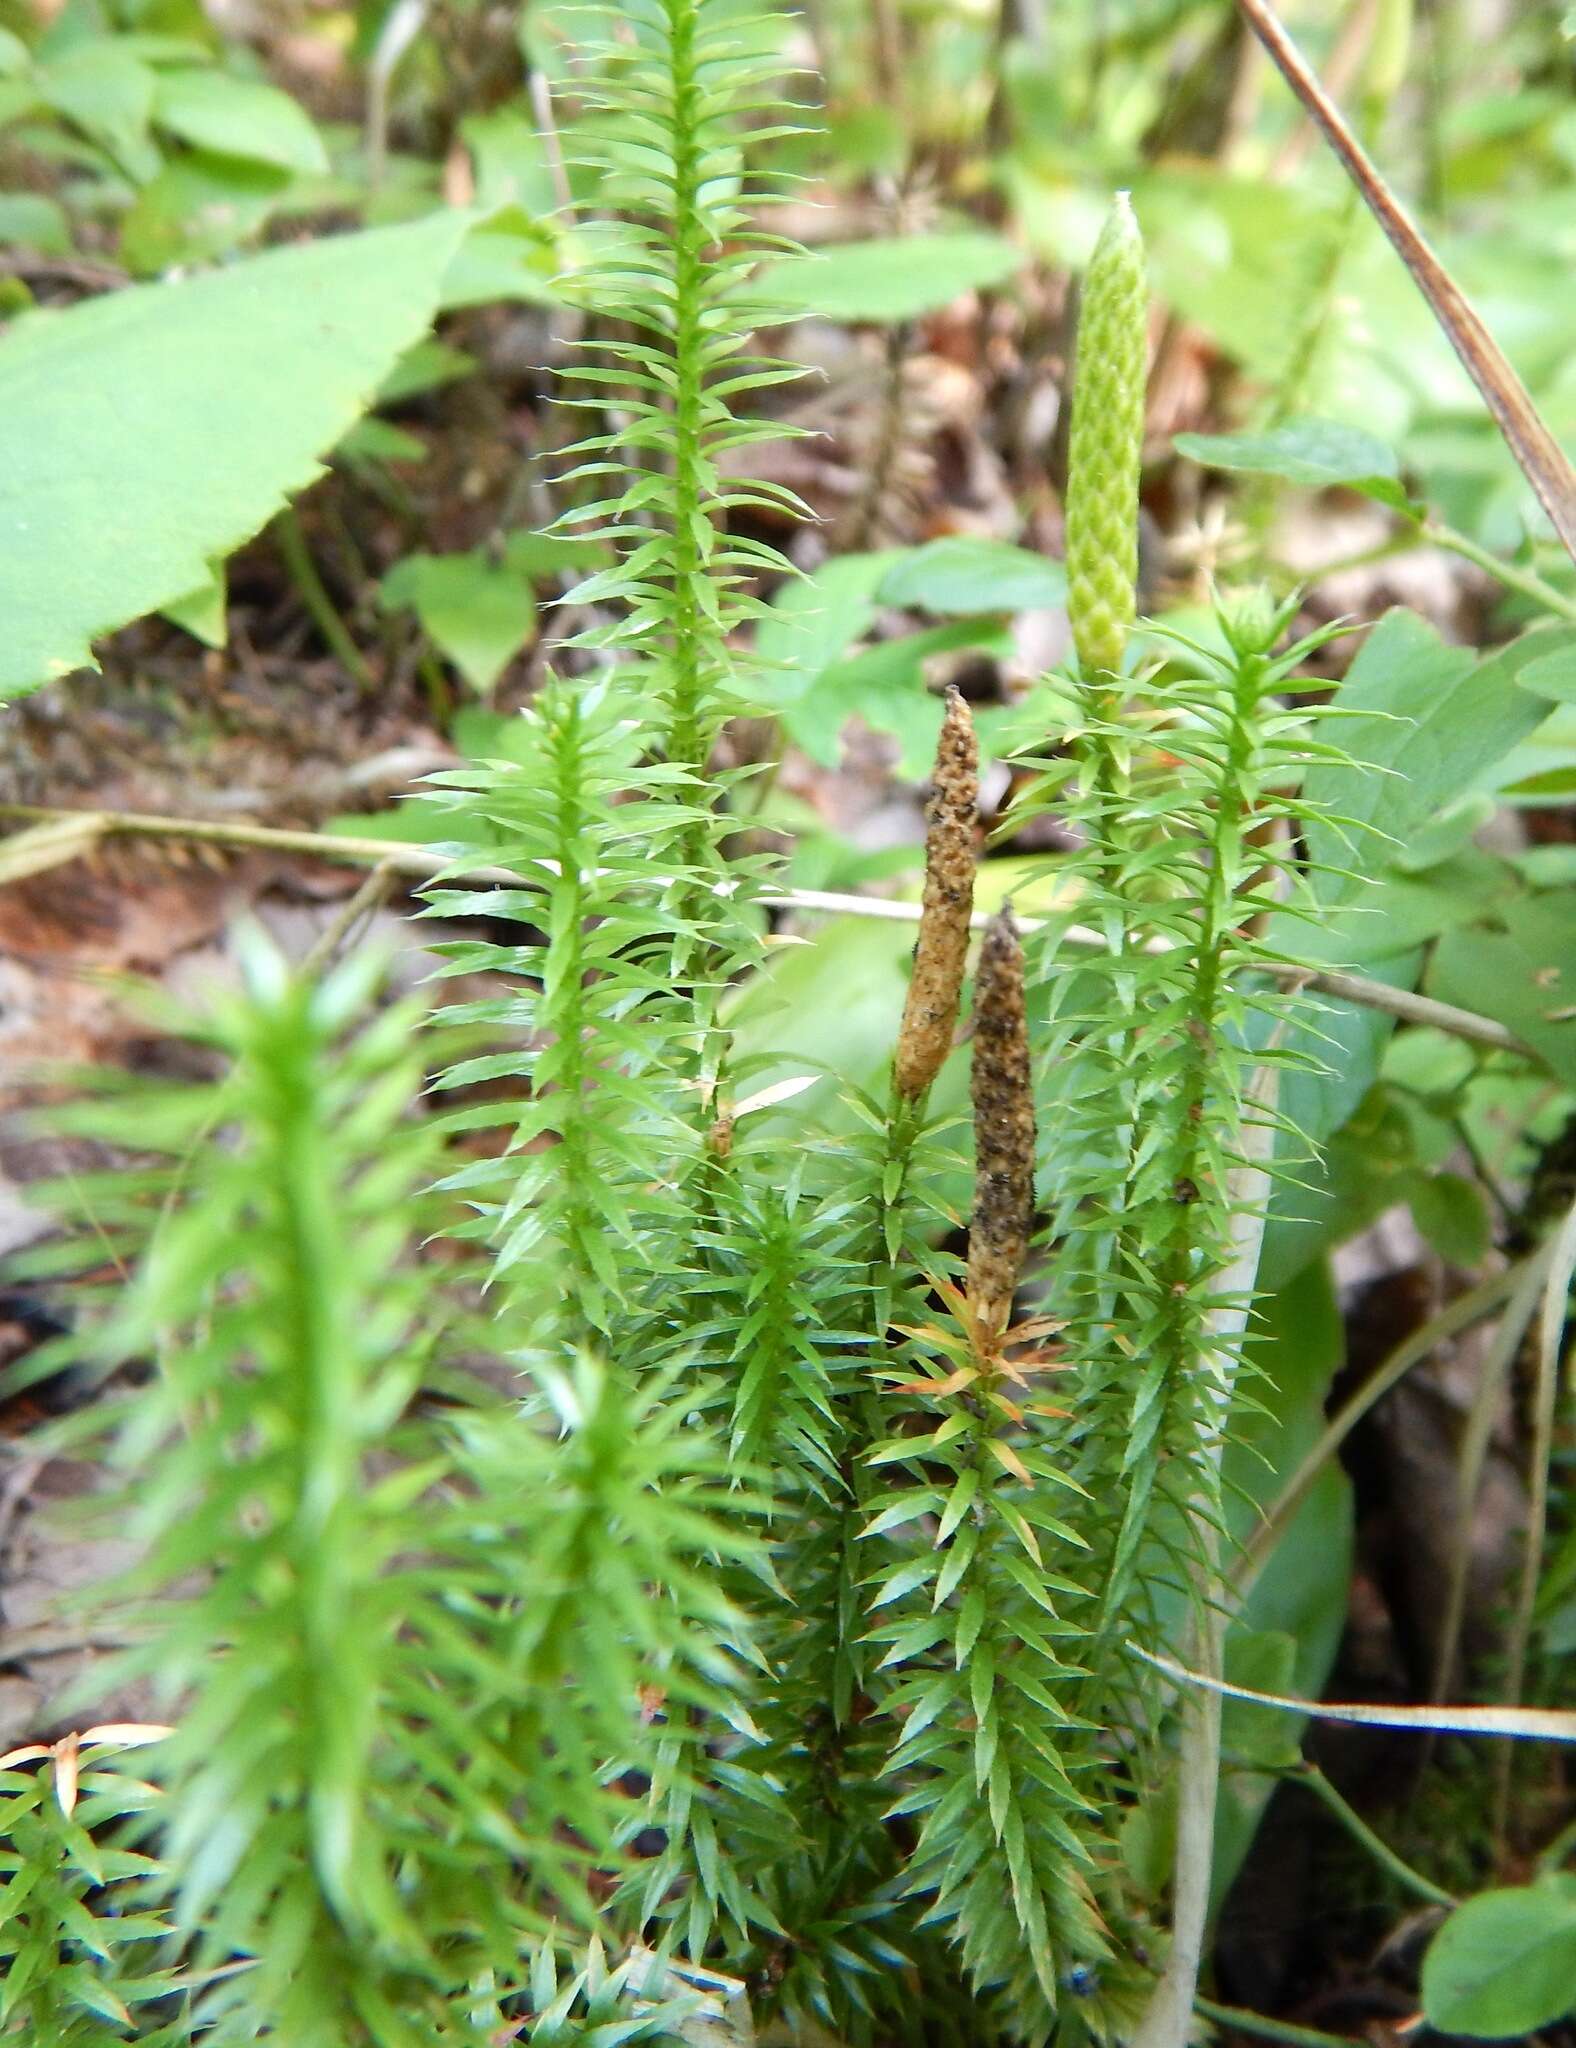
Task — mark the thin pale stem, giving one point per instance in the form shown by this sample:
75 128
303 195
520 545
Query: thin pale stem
1409 1879
1473 1455
313 594
1524 581
1426 532
1457 1316
1271 2030
421 863
1551 1329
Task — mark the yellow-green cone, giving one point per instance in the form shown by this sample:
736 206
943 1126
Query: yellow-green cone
1106 442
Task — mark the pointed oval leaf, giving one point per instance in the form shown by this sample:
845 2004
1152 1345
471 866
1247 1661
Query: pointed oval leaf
1504 1964
146 433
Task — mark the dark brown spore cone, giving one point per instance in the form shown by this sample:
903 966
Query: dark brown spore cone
1003 1129
931 1010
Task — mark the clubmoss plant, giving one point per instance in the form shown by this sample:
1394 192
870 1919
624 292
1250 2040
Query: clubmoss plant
675 266
777 1634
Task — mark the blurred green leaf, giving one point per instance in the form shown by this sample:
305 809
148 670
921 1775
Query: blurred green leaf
109 95
238 117
883 281
963 575
1435 722
1453 1215
1523 973
1264 1660
427 365
375 440
199 206
1293 1620
506 257
512 167
30 221
1553 673
477 612
1317 454
202 611
887 686
816 618
1504 1964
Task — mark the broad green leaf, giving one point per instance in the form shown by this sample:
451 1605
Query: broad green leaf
543 555
108 94
816 619
1317 454
1262 1660
832 1004
888 687
477 612
1504 1964
1446 833
1400 910
199 207
816 685
1553 673
239 117
962 575
1291 1626
147 433
881 281
505 257
1523 974
1452 1214
1363 1145
375 440
512 167
30 221
426 365
203 611
1439 723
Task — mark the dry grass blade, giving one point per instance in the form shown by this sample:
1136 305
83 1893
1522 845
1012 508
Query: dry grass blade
1521 1724
421 863
49 845
1542 459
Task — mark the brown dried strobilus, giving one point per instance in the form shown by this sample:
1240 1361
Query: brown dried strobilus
931 1009
1003 1131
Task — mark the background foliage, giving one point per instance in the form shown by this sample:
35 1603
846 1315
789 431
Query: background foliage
651 1607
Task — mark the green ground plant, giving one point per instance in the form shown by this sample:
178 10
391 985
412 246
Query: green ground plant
776 1659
